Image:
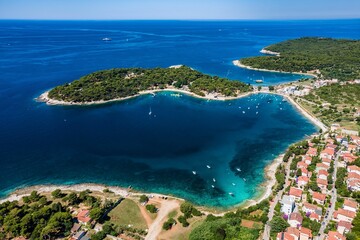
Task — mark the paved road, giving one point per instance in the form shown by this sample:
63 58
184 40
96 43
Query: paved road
277 198
333 201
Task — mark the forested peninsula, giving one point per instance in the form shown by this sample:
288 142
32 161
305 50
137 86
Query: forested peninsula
327 57
118 83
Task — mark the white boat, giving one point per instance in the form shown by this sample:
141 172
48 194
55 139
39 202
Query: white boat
150 112
248 107
194 172
238 169
212 186
243 112
231 194
244 179
208 166
257 112
106 39
233 184
214 180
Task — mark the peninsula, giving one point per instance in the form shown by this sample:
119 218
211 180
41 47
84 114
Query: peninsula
122 83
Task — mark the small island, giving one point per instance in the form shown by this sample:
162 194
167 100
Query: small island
122 83
326 58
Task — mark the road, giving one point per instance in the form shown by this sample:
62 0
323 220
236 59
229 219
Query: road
333 201
276 199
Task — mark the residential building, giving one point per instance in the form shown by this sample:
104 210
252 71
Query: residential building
319 198
302 181
343 227
296 193
311 208
305 233
287 204
350 205
344 215
332 235
315 217
295 219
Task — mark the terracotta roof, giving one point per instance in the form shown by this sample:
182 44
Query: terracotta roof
353 168
295 192
319 196
301 165
326 160
321 182
293 231
332 235
310 206
311 151
322 165
303 178
306 231
323 172
285 236
352 175
83 216
350 203
329 151
329 145
315 216
296 217
345 224
345 213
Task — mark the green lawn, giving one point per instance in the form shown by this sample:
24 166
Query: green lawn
128 213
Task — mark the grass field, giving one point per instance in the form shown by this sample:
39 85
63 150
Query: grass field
127 213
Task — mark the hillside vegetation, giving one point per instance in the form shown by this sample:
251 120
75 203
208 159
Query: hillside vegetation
124 82
334 58
335 103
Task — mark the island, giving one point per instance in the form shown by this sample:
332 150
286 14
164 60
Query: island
324 57
122 83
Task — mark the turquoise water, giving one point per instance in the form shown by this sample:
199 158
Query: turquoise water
119 143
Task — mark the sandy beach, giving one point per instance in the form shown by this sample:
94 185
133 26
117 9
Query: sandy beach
239 64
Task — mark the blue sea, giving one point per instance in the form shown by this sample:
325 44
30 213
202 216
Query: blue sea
120 144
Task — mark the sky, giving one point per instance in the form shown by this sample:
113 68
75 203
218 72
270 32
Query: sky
178 9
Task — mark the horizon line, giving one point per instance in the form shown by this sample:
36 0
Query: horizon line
205 19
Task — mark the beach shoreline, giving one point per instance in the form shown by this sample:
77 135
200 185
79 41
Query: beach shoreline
44 97
239 64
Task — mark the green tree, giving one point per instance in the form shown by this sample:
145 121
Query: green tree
278 224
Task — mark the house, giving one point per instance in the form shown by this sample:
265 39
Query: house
98 227
331 145
307 160
352 148
355 139
315 217
327 153
301 165
84 216
338 138
322 184
348 157
287 204
350 205
353 169
353 176
305 233
344 215
293 232
305 172
78 235
343 227
312 152
323 174
353 185
332 235
302 181
296 193
326 161
319 198
321 166
295 219
76 227
285 236
309 208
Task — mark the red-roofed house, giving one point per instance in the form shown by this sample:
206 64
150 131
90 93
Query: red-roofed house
355 139
349 157
304 172
352 148
293 232
353 185
326 161
311 208
343 215
295 219
330 145
315 217
305 233
354 169
312 152
350 205
301 165
327 153
322 174
296 193
352 175
307 160
321 166
302 181
332 235
322 184
319 198
285 236
343 227
84 216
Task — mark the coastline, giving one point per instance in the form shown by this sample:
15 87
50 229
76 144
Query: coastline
210 96
239 64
